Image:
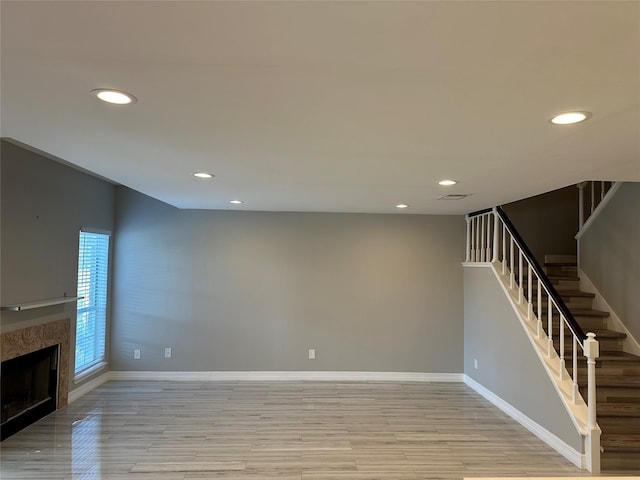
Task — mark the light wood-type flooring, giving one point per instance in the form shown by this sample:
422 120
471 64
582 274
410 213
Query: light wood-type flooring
284 430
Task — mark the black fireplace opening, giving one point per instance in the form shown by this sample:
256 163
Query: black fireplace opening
28 389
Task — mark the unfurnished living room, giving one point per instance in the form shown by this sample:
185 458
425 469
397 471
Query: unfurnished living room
319 240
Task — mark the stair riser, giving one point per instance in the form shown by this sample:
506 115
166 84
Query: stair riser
613 394
561 270
593 323
566 284
577 302
617 425
613 461
632 365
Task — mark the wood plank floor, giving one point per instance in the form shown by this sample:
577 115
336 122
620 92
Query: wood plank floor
284 430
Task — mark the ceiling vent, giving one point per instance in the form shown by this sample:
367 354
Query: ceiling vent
452 197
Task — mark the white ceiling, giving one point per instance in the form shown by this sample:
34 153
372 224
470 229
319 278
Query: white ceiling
328 106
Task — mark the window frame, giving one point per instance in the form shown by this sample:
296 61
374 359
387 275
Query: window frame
100 306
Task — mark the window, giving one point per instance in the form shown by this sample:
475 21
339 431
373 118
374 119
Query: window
93 261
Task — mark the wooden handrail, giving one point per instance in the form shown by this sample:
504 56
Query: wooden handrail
573 325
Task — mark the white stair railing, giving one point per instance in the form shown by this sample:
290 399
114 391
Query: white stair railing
590 195
492 238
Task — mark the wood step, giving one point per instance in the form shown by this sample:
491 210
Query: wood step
622 442
561 270
611 426
601 333
554 258
622 462
617 359
620 409
619 381
606 394
589 312
606 370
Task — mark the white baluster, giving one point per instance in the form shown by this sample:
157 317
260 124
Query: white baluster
581 204
496 234
475 250
489 238
504 249
472 239
561 362
520 289
549 326
482 221
529 292
511 265
539 332
574 392
468 250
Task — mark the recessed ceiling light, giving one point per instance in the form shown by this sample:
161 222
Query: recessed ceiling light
236 202
202 175
447 183
402 205
114 96
568 118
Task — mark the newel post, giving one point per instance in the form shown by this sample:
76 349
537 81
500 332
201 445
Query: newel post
592 441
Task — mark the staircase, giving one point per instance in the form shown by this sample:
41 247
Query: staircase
617 372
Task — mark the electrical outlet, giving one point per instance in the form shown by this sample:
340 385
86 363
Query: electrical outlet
475 363
312 354
167 352
136 354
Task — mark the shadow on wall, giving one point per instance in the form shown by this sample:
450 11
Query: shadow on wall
548 223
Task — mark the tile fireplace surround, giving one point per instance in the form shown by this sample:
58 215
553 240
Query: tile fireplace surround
30 339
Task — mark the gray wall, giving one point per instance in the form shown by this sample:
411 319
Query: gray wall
241 291
610 254
507 364
548 223
43 206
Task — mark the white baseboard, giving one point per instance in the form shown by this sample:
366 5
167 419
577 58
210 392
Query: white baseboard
559 445
289 376
87 387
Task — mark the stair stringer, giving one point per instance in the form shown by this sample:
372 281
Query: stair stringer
629 344
577 411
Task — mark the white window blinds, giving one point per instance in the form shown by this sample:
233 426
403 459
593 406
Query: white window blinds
93 260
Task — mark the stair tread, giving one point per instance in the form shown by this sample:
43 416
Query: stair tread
560 264
573 278
622 442
568 292
604 333
576 293
622 356
588 312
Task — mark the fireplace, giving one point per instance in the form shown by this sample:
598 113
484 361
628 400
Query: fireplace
29 385
35 374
